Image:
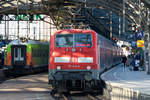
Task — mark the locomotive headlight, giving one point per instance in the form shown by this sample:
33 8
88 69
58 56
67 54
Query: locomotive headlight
88 67
58 67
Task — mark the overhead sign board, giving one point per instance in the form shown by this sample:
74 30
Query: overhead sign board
28 17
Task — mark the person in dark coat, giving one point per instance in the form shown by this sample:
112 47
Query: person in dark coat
137 61
138 56
124 60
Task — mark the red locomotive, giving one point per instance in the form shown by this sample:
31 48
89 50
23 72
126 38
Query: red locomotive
78 57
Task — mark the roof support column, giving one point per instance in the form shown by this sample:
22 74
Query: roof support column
18 18
85 3
123 12
5 28
27 14
110 24
139 14
40 30
147 44
119 25
148 32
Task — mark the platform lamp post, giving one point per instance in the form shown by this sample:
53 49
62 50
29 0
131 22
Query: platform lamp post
148 72
27 19
147 40
5 28
119 26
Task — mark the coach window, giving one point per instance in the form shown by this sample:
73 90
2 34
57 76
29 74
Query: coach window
45 54
42 53
36 53
33 52
22 52
39 53
99 41
16 52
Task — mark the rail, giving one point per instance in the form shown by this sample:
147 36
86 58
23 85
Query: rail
81 96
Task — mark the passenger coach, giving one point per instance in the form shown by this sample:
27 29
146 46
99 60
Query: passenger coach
25 56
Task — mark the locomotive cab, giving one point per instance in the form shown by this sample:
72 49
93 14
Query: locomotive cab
24 57
73 62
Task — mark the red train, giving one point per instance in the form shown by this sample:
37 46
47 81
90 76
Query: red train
78 57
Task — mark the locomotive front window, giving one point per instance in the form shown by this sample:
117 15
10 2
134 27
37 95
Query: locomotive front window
64 40
83 40
73 40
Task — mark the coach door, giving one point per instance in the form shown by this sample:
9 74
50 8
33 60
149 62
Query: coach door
19 55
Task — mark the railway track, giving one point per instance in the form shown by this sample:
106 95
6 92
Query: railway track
81 96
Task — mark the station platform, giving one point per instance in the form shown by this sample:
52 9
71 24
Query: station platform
127 84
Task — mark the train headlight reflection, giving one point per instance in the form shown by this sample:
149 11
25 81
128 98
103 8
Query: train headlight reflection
58 67
88 67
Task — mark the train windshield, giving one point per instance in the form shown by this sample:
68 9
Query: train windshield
73 40
64 40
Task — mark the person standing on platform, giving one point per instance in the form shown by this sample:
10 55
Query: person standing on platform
124 60
137 61
138 56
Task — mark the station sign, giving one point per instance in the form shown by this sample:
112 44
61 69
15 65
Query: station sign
140 43
25 17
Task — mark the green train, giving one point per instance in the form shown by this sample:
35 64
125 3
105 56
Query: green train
22 56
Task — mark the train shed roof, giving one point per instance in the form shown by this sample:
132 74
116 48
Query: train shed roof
10 6
61 10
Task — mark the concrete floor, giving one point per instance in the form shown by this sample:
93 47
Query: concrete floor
31 87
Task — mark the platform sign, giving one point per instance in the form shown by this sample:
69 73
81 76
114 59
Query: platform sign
139 35
140 43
